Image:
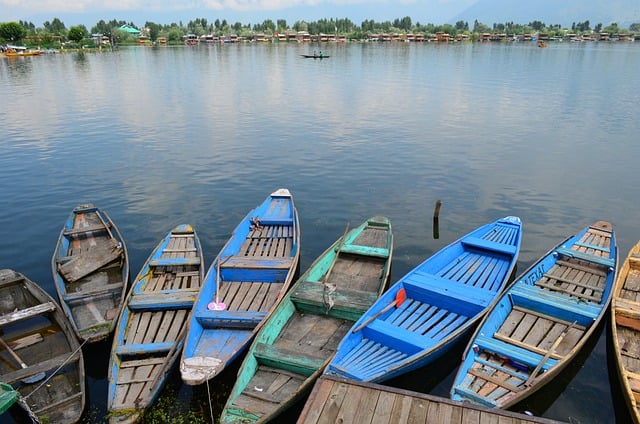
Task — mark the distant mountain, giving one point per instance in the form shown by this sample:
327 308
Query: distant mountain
551 12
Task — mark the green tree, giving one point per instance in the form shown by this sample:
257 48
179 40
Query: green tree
635 27
77 33
12 31
154 30
56 26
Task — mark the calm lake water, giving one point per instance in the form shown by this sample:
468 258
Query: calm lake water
162 136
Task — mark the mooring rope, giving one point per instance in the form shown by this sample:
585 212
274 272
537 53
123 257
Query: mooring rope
57 369
209 399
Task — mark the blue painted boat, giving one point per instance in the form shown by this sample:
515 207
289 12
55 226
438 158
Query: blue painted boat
541 321
246 281
90 268
432 307
152 324
294 346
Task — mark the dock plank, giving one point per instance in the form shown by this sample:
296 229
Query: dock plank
334 399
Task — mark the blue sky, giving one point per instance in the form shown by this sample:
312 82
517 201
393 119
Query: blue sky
89 12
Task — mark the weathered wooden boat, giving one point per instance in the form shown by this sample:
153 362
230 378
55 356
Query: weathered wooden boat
541 321
246 280
90 268
40 356
625 329
296 343
432 307
152 324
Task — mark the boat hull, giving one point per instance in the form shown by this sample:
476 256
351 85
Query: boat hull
242 287
625 330
152 325
51 378
90 268
431 308
541 321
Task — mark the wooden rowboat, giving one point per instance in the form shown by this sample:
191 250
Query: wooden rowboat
90 268
247 279
432 307
315 56
152 325
40 356
296 343
541 322
625 325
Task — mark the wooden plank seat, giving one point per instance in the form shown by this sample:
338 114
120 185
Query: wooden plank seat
227 318
516 354
132 349
276 220
27 313
397 338
507 370
587 257
627 307
314 294
593 246
256 262
448 294
292 360
44 366
483 244
83 230
92 293
554 304
175 261
171 300
478 398
354 249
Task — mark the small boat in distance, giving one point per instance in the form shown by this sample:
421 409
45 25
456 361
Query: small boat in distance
152 324
299 339
20 51
315 56
246 281
40 356
90 268
431 308
540 322
625 330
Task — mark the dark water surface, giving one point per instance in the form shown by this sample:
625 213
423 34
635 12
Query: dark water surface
162 136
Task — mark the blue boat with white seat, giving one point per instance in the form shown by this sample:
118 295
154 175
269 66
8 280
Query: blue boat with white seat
243 285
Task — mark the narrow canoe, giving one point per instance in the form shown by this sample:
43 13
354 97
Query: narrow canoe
90 268
541 321
314 56
296 343
625 326
152 325
40 356
432 307
248 278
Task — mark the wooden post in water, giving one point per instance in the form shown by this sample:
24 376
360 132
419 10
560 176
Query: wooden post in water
436 219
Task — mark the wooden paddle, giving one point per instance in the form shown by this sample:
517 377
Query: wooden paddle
325 279
552 349
27 380
401 295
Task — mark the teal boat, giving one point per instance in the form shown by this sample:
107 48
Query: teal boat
299 339
8 397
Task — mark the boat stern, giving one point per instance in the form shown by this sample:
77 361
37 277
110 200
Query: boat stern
199 369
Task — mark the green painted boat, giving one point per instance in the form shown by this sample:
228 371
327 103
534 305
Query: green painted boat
301 336
8 397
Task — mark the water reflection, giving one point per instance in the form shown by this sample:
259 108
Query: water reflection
164 136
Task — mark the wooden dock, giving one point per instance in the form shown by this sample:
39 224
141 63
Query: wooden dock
336 400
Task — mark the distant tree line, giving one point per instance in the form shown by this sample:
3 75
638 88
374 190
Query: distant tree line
14 32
